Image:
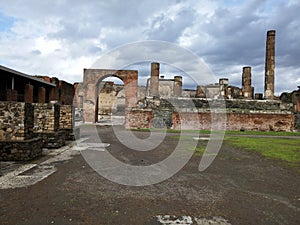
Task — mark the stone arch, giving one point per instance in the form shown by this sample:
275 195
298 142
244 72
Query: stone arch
91 79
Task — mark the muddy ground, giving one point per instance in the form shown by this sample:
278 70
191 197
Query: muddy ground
240 187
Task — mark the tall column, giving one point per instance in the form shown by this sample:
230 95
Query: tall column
154 80
177 86
270 65
41 95
28 94
247 90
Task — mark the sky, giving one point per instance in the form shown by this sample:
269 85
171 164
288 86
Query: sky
59 38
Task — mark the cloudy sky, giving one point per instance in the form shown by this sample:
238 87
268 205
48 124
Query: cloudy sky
61 37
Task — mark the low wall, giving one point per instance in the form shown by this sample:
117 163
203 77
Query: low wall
235 121
20 150
27 127
139 119
195 114
53 139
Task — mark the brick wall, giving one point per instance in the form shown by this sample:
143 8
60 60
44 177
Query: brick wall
196 114
235 121
139 119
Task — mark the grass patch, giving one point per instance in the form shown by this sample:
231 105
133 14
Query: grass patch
287 150
270 133
228 132
200 150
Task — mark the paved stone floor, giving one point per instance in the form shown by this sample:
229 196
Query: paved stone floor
240 187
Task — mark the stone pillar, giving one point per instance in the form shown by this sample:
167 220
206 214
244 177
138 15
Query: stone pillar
41 95
28 94
177 86
246 83
223 82
11 95
154 80
270 65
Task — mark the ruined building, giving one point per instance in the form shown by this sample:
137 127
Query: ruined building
35 112
166 104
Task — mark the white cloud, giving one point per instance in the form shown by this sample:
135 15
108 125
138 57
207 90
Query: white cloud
61 37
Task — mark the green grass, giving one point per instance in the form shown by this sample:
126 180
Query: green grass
287 150
270 133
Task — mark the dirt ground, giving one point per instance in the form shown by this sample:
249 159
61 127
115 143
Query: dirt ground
240 187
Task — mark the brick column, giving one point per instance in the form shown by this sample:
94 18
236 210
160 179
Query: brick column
28 94
270 65
154 80
11 95
52 94
41 95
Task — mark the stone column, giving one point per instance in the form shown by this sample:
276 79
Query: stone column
41 95
246 83
154 80
28 94
177 86
270 65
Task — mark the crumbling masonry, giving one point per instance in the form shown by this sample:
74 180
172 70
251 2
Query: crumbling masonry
166 104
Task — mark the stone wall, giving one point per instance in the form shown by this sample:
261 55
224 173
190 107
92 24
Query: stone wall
16 121
16 132
46 125
46 117
66 120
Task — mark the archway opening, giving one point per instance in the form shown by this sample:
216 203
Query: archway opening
110 103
